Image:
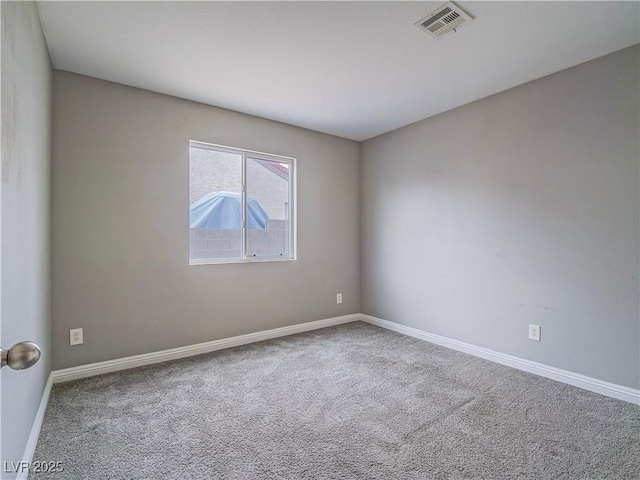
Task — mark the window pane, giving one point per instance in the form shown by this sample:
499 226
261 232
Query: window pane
215 204
268 208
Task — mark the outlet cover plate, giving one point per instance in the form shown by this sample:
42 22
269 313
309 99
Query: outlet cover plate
75 336
534 332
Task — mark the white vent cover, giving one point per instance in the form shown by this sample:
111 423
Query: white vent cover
443 19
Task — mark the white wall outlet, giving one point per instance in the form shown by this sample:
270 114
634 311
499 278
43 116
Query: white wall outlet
339 298
534 332
75 336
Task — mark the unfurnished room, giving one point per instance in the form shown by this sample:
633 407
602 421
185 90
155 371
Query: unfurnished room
300 240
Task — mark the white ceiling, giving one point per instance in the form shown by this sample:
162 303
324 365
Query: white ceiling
352 69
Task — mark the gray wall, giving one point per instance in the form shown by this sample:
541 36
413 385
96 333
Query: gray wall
24 220
519 208
120 236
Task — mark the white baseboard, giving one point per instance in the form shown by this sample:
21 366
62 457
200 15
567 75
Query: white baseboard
577 380
32 441
582 381
108 366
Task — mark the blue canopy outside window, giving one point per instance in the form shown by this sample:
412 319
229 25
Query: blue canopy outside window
224 210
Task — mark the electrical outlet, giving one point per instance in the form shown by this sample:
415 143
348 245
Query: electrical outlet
339 298
75 336
534 332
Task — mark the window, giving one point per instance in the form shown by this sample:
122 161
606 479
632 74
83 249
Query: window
241 205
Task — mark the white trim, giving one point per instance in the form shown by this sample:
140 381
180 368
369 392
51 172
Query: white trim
237 150
577 380
117 364
221 261
32 441
582 381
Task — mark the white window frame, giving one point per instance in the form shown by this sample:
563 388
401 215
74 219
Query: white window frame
252 154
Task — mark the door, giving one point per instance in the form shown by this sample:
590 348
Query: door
25 155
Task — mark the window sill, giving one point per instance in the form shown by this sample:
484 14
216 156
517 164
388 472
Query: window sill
219 261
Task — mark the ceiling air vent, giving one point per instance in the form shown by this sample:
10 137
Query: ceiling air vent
443 19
